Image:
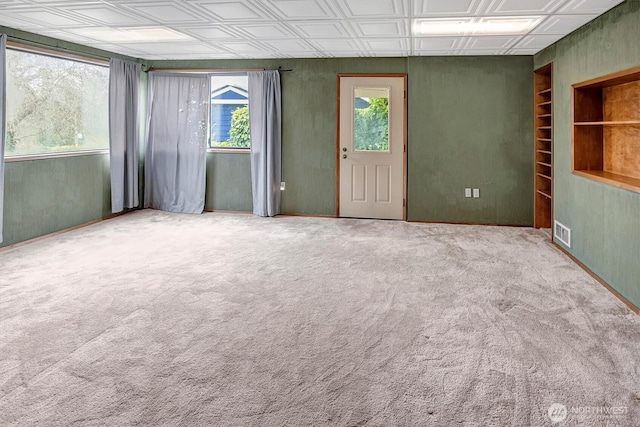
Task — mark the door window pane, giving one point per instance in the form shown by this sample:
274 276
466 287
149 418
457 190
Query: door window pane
371 119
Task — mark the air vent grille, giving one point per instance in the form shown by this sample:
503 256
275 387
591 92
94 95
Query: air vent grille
562 233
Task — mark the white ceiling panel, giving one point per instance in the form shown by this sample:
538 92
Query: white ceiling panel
562 24
588 6
307 9
266 31
523 7
107 15
436 9
390 28
386 45
484 43
537 41
438 43
304 28
166 13
367 8
46 18
234 11
311 30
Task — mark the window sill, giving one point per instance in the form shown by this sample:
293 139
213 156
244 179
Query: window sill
229 150
43 156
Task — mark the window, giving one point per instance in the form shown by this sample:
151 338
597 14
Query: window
371 119
229 111
55 105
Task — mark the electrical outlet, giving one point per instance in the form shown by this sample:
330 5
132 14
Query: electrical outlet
467 192
282 186
476 193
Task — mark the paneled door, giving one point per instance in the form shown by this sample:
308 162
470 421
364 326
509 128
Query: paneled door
371 147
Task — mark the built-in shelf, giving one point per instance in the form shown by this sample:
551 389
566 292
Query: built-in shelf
609 123
606 129
548 196
543 164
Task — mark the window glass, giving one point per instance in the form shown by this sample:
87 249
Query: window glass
229 111
371 119
55 105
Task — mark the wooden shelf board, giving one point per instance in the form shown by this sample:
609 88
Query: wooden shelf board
544 103
544 115
544 164
544 127
544 139
541 175
622 181
542 92
544 151
608 123
548 196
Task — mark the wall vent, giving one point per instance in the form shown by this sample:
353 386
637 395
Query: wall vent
562 233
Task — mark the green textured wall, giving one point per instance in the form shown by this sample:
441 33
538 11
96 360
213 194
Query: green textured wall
48 195
228 182
604 220
471 125
309 108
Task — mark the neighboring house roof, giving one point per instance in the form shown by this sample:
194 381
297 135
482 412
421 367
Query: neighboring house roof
229 94
362 103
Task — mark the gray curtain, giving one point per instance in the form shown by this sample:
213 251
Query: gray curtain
177 142
3 84
124 78
265 116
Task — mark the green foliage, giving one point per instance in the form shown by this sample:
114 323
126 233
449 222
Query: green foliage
55 105
239 134
372 126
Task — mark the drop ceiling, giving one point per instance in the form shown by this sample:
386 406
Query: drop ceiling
240 29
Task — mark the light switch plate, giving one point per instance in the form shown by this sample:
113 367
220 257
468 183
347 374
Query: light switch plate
476 193
467 192
282 186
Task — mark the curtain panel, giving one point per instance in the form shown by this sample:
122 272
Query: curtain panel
124 78
175 161
265 116
3 103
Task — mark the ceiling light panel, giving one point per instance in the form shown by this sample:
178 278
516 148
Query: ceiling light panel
475 26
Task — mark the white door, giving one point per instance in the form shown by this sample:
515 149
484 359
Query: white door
371 147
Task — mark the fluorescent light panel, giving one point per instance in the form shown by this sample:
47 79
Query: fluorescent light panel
475 26
132 34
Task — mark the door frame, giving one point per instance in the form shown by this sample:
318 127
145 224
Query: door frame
404 142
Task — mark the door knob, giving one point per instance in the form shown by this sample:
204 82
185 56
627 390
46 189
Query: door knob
344 149
344 156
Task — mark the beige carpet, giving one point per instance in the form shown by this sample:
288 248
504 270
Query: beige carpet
160 319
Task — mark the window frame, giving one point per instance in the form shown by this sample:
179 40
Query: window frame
19 47
210 73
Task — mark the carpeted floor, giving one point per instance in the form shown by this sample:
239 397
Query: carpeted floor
160 319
